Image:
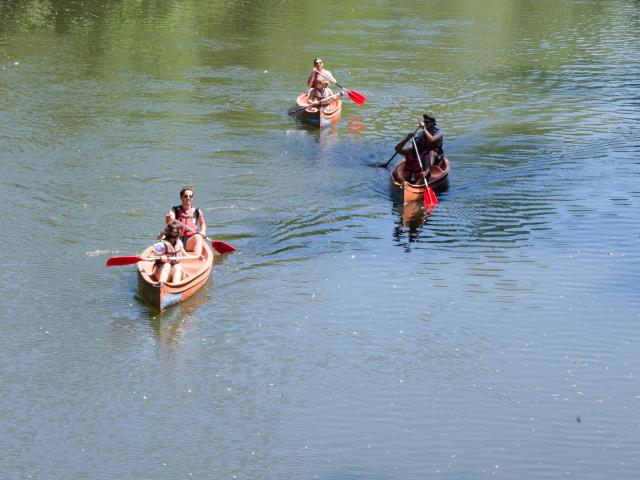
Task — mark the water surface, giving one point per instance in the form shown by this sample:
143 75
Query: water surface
345 340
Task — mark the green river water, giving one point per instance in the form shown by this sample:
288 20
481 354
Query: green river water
497 338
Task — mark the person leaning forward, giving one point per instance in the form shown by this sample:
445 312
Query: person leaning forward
195 228
412 171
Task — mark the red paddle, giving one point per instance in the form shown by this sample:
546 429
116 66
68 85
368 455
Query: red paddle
119 261
356 97
222 247
130 260
430 199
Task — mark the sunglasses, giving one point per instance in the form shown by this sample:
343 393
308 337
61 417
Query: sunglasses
187 196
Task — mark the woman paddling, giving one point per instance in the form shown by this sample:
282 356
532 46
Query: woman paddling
195 228
319 81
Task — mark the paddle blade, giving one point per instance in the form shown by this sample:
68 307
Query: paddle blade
430 199
119 261
356 97
222 247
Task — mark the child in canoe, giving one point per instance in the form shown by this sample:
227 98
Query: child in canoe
167 267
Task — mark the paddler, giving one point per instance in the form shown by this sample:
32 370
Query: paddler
428 143
432 140
414 171
319 81
191 217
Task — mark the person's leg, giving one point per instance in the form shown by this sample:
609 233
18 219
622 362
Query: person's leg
176 273
433 158
194 244
162 272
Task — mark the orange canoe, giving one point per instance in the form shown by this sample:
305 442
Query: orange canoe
410 192
323 116
196 272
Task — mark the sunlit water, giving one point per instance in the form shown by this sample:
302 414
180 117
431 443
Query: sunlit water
347 338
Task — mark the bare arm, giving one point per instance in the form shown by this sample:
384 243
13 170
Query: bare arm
312 78
428 135
402 147
202 224
326 74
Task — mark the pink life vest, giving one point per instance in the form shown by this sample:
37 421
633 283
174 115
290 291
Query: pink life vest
188 219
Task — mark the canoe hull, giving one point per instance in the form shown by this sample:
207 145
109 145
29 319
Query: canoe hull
164 295
320 117
410 192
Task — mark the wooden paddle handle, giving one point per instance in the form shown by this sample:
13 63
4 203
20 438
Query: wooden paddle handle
153 259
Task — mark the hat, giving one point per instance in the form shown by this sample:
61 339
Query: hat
428 118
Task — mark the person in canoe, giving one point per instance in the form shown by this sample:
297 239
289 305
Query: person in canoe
195 228
413 171
318 82
432 140
167 267
429 142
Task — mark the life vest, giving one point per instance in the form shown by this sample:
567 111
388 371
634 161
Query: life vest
190 220
170 251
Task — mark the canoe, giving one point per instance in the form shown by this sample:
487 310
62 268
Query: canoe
321 117
410 192
196 273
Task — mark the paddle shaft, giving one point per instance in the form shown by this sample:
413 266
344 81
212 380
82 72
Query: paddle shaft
427 190
357 97
153 259
130 260
385 165
304 107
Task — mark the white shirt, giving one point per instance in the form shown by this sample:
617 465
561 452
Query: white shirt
160 248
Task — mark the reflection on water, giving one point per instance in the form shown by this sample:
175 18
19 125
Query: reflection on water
356 125
169 325
411 219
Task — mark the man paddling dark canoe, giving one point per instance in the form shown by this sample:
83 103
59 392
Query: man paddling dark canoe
432 140
429 143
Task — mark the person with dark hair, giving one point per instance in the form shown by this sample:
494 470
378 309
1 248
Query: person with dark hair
432 140
167 267
319 81
428 144
195 228
414 170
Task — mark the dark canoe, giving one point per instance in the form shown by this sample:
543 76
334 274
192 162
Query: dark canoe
163 295
321 117
410 192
